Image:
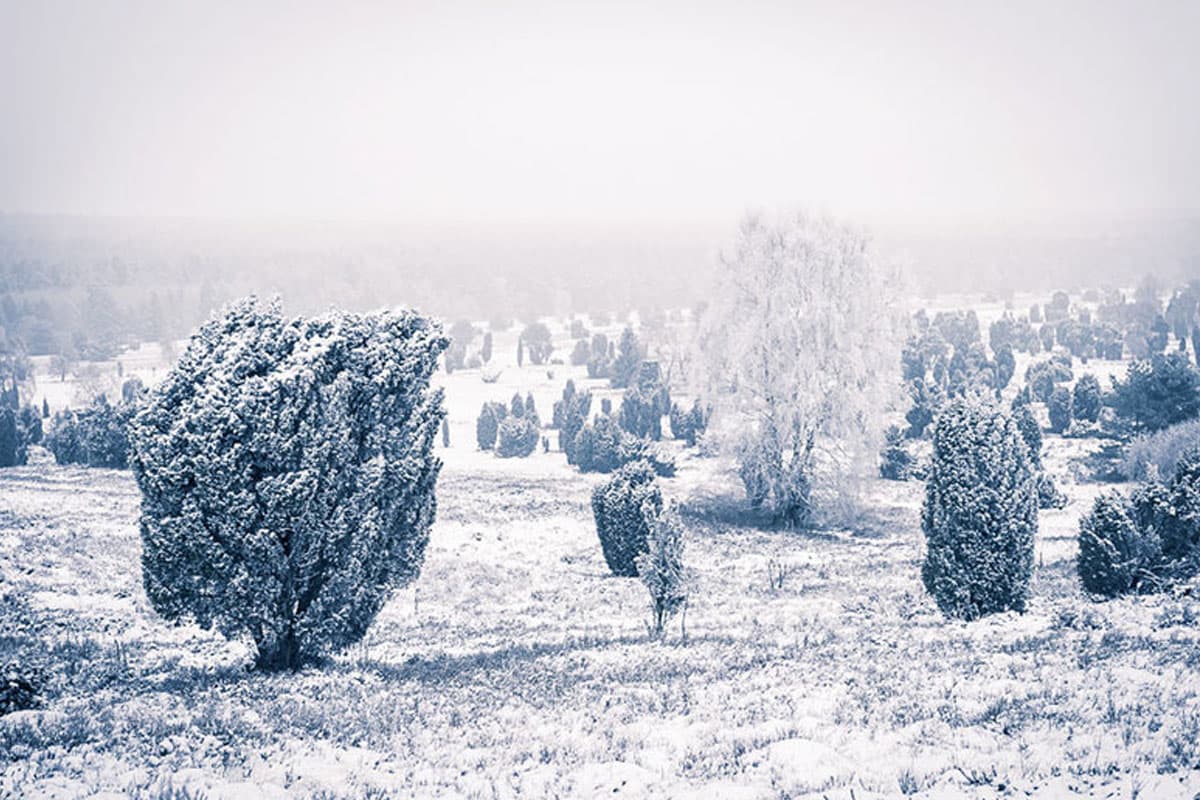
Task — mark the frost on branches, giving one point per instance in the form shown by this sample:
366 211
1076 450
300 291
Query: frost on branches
287 475
799 355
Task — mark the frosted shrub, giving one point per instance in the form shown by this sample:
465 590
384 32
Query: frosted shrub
642 411
1156 454
1115 556
537 339
518 436
1030 430
623 508
1158 392
487 424
581 353
520 432
1085 399
575 409
1043 376
603 447
1059 409
688 424
97 436
661 566
11 452
897 462
287 475
624 369
598 446
980 513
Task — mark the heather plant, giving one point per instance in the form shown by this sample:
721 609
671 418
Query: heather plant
980 512
623 508
287 475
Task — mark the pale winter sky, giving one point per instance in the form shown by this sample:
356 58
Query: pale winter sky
891 112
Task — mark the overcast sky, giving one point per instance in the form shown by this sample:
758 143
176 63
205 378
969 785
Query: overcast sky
891 112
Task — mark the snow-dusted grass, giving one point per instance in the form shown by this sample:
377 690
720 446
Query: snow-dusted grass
517 667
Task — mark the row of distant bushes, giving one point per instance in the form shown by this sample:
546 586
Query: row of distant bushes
95 436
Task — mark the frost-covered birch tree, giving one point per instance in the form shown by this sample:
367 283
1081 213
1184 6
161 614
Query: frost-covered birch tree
800 359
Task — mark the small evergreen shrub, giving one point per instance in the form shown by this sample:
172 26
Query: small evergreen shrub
623 508
1085 399
1059 409
980 513
598 445
576 407
642 411
487 424
661 566
581 353
1030 430
629 356
1048 495
11 453
896 463
1115 555
688 424
538 343
518 436
603 447
1043 376
1158 392
97 436
29 425
927 399
287 475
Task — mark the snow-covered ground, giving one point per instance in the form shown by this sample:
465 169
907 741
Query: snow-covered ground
516 666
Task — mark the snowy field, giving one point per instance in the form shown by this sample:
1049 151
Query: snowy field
517 666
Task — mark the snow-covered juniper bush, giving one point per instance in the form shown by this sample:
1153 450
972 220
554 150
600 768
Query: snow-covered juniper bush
623 508
487 424
980 513
1116 556
287 475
